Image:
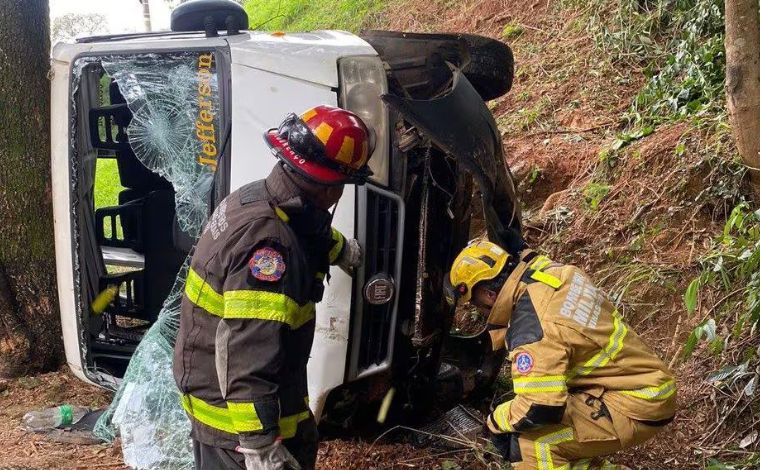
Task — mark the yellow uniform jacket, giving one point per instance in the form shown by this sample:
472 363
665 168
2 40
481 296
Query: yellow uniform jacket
564 335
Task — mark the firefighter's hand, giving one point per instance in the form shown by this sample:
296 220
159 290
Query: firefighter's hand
270 457
351 258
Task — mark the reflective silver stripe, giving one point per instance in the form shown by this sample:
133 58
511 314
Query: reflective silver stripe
543 448
545 384
660 392
610 351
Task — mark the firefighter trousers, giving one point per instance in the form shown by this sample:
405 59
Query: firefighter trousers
589 432
303 446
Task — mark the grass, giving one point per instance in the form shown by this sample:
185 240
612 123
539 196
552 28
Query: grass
107 187
309 15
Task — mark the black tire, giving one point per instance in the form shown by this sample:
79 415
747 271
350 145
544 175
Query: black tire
418 62
491 68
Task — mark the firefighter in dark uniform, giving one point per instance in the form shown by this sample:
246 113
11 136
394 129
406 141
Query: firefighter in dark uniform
247 321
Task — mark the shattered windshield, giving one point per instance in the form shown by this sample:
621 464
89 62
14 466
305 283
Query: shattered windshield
176 131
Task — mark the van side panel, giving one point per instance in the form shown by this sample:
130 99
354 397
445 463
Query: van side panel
260 100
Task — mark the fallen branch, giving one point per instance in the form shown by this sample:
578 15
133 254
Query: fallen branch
571 131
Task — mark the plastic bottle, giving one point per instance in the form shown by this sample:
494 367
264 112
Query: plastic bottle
64 415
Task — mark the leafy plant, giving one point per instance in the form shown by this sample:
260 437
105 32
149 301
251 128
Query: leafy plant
511 31
594 193
680 45
626 138
733 261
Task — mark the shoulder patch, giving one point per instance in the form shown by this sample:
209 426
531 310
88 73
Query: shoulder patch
267 264
524 362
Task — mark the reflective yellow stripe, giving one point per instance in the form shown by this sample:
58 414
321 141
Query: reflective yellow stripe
658 393
263 305
338 247
289 424
282 215
210 415
543 448
244 417
501 416
581 465
540 263
247 304
323 132
239 417
306 117
346 152
607 465
202 295
544 384
537 266
610 351
548 279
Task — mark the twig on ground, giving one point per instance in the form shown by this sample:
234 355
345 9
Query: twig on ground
676 333
570 131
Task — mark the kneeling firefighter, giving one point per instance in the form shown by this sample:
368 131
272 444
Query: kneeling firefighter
247 321
585 384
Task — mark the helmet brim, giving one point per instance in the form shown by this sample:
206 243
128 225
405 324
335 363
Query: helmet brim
308 169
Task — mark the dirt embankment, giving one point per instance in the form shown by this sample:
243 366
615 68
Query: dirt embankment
637 219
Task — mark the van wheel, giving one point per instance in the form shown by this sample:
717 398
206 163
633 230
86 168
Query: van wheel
417 61
491 68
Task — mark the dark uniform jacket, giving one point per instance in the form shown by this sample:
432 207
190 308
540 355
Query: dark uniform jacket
564 335
247 320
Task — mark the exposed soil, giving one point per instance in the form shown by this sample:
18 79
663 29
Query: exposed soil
21 450
637 219
639 236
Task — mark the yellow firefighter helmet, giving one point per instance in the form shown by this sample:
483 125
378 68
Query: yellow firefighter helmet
479 261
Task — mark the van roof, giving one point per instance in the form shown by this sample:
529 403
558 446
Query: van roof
307 56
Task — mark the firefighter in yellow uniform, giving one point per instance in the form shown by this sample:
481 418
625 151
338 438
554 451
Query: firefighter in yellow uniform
585 384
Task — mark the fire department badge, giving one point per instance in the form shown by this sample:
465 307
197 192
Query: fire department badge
267 264
524 363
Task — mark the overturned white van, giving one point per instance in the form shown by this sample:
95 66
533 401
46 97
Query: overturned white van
182 115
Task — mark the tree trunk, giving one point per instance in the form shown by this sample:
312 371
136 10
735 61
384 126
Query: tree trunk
743 81
30 332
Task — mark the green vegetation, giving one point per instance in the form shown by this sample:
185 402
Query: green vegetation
733 264
679 43
107 186
594 193
309 15
512 31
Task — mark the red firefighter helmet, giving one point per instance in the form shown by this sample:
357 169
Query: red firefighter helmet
326 144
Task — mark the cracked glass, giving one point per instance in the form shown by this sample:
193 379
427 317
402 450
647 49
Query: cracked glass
176 132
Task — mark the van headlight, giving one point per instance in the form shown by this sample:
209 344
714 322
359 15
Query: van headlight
362 81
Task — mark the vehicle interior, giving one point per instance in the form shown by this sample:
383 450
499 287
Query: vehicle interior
130 240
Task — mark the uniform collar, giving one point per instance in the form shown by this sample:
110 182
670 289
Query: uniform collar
501 312
303 217
283 192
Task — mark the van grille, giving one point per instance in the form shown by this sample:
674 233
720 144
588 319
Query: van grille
381 246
